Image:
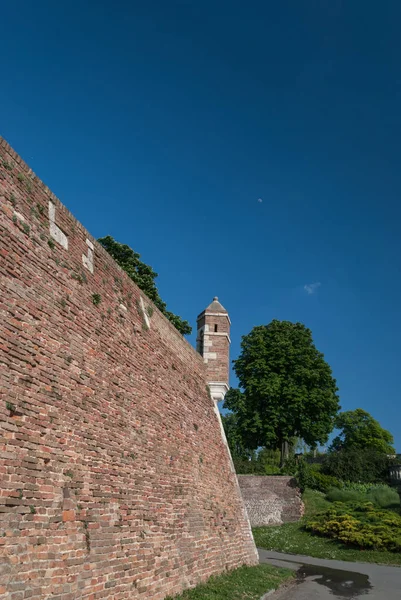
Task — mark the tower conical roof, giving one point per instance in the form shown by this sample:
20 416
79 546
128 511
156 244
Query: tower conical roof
215 306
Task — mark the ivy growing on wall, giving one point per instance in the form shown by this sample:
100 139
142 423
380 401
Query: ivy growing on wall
144 277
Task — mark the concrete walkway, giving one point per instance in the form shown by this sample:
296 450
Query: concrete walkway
321 579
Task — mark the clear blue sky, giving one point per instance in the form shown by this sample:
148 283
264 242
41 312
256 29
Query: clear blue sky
164 123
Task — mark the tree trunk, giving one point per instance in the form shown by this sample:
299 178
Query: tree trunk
284 452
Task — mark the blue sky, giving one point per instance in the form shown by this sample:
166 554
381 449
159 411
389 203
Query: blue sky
164 123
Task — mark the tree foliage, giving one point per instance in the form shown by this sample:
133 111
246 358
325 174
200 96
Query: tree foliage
144 276
309 477
357 465
234 438
246 461
360 430
287 388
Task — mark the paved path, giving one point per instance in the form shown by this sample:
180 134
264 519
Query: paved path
329 579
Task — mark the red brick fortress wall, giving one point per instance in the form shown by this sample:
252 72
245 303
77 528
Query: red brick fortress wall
114 478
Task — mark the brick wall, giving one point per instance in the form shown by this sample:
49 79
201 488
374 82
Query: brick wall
115 480
271 500
218 368
213 339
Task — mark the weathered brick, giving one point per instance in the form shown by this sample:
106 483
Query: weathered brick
271 500
105 492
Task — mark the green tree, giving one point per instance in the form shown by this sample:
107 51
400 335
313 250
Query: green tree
234 438
360 430
360 465
262 462
144 276
269 461
287 388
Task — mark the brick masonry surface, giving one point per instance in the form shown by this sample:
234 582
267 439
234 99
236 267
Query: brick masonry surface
271 500
217 368
115 480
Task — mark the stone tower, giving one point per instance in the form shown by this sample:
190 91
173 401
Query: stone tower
213 343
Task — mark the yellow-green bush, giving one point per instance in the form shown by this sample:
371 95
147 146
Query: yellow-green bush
361 525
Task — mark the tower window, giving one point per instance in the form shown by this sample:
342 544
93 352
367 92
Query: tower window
215 328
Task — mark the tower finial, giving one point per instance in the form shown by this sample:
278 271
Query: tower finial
215 299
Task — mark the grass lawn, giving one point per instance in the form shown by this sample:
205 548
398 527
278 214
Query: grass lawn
245 583
291 538
314 502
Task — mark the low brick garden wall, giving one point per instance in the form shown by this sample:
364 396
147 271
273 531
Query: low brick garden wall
271 500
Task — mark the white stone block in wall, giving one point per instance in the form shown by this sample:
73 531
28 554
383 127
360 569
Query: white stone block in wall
88 260
55 230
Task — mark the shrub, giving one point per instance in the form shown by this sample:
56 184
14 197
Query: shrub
361 487
341 495
304 476
272 470
324 483
359 525
308 477
248 467
264 462
379 494
290 467
356 465
384 496
317 467
270 459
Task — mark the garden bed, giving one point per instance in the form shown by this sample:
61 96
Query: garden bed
294 538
